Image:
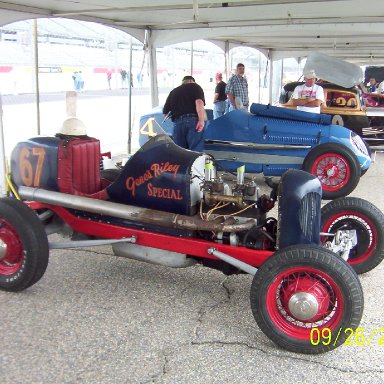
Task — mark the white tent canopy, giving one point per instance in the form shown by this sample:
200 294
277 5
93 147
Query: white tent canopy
348 29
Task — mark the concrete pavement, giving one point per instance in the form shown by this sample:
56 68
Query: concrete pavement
96 318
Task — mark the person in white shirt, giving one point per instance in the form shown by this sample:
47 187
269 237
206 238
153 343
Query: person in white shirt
380 88
309 96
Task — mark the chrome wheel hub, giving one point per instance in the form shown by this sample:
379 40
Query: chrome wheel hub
3 249
331 172
303 305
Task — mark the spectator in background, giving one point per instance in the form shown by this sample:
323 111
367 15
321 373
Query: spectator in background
109 77
380 88
74 75
140 78
81 81
186 106
124 78
372 85
78 81
237 90
309 96
220 97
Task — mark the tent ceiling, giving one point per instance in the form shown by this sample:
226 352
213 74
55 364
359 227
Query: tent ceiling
348 29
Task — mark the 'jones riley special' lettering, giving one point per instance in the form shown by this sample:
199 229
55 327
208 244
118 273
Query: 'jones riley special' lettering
155 171
164 193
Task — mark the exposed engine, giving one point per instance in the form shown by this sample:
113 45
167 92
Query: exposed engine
166 189
240 199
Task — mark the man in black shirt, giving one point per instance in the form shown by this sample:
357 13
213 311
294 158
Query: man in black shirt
219 100
186 105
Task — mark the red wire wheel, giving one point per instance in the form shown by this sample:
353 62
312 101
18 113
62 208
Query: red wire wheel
302 288
11 249
303 298
24 247
367 222
332 170
336 167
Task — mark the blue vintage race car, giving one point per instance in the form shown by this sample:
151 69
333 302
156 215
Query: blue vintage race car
270 140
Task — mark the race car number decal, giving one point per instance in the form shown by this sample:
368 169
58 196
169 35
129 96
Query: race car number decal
342 101
31 163
147 128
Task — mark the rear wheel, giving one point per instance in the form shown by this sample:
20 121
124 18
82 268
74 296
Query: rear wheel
24 247
336 167
304 297
351 213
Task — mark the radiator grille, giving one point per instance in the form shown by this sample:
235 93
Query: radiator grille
309 216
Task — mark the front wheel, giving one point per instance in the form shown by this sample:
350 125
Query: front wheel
24 247
304 298
336 167
360 216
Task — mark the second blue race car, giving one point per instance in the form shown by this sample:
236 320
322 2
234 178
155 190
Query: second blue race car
270 140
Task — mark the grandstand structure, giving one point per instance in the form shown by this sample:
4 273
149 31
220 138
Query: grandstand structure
66 46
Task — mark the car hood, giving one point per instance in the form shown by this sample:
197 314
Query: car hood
334 70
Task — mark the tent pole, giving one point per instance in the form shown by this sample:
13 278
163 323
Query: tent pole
36 50
226 58
154 90
3 182
282 73
153 77
259 95
191 58
129 82
270 79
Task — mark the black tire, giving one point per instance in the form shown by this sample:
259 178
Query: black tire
328 295
336 167
25 250
110 174
368 221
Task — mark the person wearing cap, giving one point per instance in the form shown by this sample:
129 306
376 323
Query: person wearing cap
220 97
237 90
309 96
372 85
186 104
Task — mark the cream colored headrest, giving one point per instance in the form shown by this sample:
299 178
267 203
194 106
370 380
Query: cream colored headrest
74 127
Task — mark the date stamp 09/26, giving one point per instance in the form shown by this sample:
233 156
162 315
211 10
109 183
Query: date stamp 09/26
359 336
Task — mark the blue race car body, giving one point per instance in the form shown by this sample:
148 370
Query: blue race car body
270 140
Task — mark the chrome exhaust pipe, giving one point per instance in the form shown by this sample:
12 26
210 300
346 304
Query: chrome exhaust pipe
129 212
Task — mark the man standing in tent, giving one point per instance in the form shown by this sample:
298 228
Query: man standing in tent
309 96
237 90
186 106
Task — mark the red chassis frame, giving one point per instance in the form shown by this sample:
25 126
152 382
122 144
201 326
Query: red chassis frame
194 247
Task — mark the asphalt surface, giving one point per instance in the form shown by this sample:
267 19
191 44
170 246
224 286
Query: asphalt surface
96 318
26 98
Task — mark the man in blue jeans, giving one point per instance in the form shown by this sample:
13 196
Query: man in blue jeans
186 105
220 97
